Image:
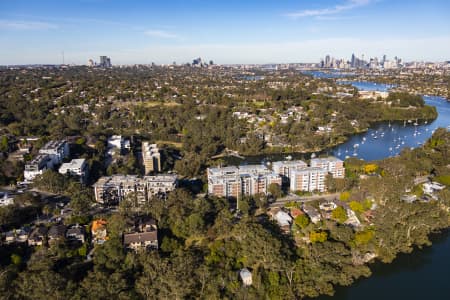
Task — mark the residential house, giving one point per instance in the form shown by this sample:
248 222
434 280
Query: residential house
352 219
98 231
76 233
312 213
430 188
10 237
143 237
408 198
22 234
37 236
56 233
284 220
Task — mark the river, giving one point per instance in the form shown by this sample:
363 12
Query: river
425 273
381 140
385 140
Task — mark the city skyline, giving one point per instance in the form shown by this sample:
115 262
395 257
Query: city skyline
226 32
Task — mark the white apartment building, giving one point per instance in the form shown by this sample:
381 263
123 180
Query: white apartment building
284 168
56 150
37 166
240 181
308 179
333 165
114 189
77 168
160 184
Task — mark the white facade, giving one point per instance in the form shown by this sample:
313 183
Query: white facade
117 143
285 168
238 181
113 189
56 150
37 166
431 187
76 167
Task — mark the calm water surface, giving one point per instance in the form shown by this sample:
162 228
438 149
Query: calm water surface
423 274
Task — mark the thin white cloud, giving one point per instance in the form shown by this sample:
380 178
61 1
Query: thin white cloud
156 33
26 25
349 5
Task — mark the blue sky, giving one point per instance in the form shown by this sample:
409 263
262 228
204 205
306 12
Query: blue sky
229 31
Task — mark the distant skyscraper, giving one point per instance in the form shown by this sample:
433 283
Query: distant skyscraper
197 61
327 61
353 62
105 62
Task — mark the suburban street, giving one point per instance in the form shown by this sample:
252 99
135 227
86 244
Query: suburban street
293 197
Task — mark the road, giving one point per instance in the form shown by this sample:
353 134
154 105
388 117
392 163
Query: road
294 198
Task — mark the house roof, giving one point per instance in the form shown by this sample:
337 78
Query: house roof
38 232
283 218
295 212
76 230
98 225
138 237
57 231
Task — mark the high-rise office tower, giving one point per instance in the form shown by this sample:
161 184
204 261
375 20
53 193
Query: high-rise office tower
327 61
105 62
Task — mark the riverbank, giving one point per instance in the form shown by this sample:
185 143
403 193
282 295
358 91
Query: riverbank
422 274
345 142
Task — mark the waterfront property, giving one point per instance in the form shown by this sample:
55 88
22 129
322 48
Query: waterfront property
300 177
285 168
308 180
331 164
235 182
